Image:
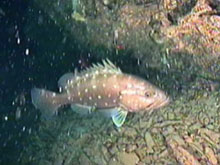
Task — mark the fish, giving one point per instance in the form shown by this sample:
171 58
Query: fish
101 88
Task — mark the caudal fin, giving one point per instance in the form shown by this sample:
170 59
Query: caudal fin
45 101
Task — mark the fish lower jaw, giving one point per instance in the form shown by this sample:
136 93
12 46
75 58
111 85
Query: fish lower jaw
162 104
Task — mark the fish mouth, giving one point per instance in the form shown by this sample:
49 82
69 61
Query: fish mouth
162 101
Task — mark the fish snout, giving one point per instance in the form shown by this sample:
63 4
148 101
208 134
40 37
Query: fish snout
163 99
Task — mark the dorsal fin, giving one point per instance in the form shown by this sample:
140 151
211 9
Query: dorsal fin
65 81
107 66
68 79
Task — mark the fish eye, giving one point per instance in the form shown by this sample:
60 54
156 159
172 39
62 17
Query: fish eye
147 94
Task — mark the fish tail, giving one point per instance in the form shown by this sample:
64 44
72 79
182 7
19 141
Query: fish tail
45 101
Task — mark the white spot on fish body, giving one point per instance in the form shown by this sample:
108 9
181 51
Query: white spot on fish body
94 86
109 95
90 98
68 92
105 75
80 98
99 97
114 101
129 85
87 75
115 86
104 85
106 104
77 77
78 84
54 94
86 90
79 93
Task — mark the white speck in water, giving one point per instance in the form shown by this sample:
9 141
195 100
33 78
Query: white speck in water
79 93
114 101
18 40
86 90
99 97
6 118
94 86
23 128
106 104
18 113
90 98
27 51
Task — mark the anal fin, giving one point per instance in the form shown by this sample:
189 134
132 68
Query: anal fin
82 109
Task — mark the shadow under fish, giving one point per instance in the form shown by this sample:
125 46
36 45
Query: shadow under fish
101 88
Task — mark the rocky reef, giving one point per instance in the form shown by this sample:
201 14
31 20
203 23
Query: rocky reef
174 44
186 132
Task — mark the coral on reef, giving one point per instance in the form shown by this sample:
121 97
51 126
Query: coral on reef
198 32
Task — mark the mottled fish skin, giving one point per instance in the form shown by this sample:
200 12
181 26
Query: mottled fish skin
102 87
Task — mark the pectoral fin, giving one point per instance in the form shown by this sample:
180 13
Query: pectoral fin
119 117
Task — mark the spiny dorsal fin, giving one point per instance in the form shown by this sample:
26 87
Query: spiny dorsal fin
106 66
68 79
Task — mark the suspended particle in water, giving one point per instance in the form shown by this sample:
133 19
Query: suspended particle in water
27 52
18 113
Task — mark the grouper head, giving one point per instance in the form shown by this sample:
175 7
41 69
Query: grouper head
139 94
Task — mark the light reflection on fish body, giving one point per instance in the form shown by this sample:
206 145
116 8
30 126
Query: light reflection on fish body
103 88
